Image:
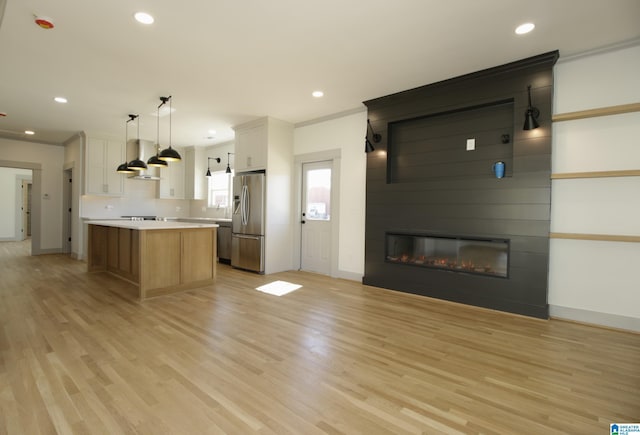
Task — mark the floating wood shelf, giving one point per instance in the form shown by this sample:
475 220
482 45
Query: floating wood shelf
596 174
595 237
601 111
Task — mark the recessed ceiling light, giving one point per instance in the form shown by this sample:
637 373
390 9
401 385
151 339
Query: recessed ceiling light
525 28
317 94
212 132
60 100
29 132
143 17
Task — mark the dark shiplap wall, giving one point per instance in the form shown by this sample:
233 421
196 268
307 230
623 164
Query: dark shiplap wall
467 201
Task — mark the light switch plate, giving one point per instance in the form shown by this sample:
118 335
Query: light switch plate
471 144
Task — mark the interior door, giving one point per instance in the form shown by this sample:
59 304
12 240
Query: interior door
315 249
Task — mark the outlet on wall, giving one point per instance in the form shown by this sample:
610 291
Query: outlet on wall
471 144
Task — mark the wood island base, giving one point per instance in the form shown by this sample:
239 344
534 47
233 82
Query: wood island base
158 261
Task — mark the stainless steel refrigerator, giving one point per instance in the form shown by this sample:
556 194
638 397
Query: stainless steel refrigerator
247 230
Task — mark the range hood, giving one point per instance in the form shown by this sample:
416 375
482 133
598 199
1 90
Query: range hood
145 177
142 149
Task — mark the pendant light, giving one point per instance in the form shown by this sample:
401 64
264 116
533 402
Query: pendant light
155 160
137 164
123 168
228 170
217 159
169 154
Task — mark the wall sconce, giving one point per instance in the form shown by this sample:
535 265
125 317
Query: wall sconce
217 159
169 154
228 170
368 146
137 164
531 115
124 168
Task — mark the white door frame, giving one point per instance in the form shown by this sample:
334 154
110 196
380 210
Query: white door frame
335 157
67 203
36 206
19 233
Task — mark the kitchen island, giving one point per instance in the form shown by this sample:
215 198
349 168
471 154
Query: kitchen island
159 257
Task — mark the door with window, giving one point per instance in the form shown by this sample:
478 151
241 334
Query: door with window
315 249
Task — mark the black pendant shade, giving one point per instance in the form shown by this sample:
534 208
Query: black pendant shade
155 161
368 146
137 164
169 154
531 115
124 167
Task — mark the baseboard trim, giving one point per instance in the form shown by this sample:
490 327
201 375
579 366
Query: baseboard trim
46 251
351 276
595 318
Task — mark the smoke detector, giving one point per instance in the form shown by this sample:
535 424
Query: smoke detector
44 22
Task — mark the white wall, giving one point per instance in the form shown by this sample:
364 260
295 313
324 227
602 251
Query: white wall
347 134
47 189
9 201
596 281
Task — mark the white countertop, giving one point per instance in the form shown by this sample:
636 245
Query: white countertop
150 225
203 219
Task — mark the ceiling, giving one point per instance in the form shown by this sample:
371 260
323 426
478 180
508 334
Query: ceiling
226 62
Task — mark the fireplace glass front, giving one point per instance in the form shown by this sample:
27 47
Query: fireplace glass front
457 254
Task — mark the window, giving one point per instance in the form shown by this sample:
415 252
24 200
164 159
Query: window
219 188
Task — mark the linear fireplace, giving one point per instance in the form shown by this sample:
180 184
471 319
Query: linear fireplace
452 253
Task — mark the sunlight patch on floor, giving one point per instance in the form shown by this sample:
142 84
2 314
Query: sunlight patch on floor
278 288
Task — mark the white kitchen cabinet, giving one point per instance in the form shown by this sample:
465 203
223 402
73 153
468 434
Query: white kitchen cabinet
172 180
103 156
251 146
195 168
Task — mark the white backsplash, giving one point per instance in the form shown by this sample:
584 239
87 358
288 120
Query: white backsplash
199 209
140 200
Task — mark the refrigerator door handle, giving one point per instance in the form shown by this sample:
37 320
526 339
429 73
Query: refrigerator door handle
245 205
242 236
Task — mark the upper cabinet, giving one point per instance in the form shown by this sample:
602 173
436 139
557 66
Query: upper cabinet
251 146
195 169
172 179
103 156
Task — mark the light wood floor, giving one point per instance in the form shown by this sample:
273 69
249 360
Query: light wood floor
79 355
